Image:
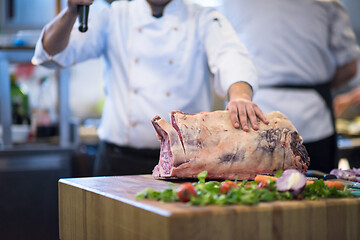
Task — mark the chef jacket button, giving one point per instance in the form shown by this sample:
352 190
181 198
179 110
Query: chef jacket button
139 29
133 124
136 60
175 28
170 61
167 94
135 90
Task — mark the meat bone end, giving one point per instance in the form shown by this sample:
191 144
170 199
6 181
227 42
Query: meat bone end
170 143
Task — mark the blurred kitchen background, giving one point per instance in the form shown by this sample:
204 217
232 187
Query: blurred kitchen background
55 114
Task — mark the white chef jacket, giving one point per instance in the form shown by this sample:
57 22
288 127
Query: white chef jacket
155 65
295 42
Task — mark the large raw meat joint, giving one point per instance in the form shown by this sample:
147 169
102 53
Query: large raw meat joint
208 141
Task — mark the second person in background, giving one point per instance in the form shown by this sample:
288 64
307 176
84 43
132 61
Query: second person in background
303 49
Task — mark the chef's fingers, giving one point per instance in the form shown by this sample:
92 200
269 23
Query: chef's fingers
252 116
232 108
260 114
73 4
81 2
241 109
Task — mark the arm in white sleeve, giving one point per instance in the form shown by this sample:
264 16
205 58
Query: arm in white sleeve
81 46
342 40
343 44
227 57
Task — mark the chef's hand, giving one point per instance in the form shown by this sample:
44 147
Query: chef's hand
57 32
344 101
241 107
341 103
72 4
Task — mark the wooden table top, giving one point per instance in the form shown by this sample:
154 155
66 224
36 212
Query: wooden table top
106 208
124 189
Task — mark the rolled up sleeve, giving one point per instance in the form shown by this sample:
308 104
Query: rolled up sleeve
41 57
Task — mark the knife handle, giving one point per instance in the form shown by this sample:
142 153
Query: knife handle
83 14
320 175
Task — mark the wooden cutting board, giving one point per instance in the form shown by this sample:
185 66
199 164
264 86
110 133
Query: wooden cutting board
105 208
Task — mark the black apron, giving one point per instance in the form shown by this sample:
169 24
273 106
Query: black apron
322 89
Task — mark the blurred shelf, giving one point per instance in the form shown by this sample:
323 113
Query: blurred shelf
10 54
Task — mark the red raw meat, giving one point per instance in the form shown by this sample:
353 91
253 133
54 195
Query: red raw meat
208 141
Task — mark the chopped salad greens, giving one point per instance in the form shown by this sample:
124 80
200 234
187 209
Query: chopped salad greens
246 192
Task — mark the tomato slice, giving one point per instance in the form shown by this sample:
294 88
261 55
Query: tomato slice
185 191
226 186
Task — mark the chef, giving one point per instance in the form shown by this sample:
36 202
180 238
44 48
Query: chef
303 48
160 56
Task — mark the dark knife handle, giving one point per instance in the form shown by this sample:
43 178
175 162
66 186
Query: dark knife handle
83 14
320 175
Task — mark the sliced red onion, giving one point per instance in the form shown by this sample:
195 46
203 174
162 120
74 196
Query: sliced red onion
349 174
291 180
